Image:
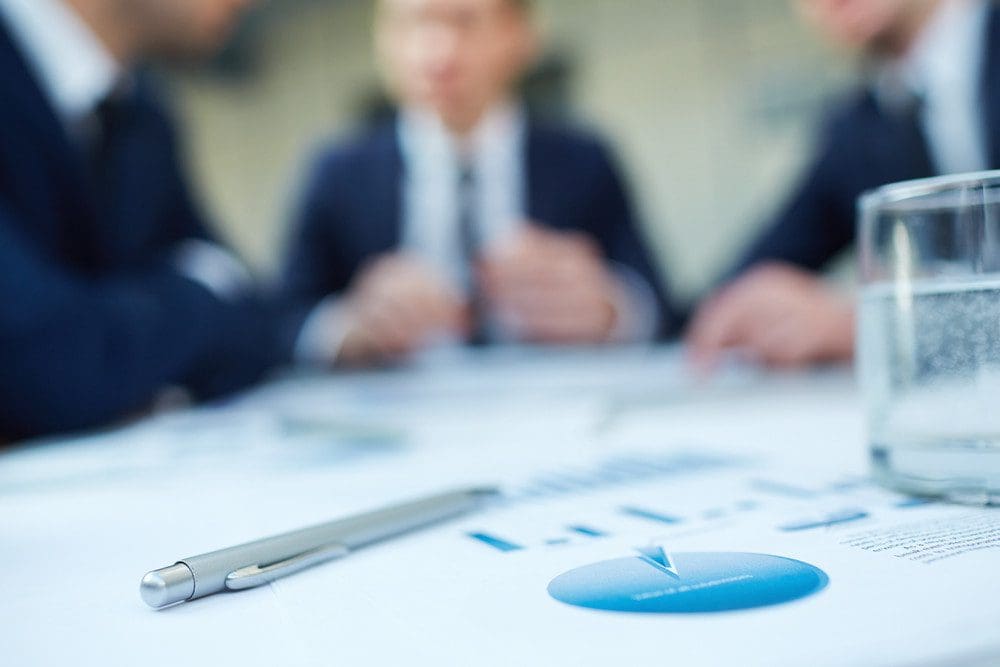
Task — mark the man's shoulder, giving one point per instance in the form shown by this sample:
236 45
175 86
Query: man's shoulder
358 150
566 137
569 146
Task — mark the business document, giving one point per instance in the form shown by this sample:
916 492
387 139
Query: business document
693 557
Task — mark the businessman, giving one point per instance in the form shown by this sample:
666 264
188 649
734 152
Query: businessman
112 287
930 105
463 218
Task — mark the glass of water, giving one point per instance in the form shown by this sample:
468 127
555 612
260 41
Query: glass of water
929 335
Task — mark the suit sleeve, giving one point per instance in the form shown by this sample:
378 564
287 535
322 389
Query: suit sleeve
247 329
621 238
81 350
817 222
315 264
77 352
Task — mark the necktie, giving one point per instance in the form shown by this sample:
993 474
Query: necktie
915 153
917 162
99 138
101 142
469 240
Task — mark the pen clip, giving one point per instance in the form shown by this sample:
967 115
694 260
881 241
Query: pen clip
257 575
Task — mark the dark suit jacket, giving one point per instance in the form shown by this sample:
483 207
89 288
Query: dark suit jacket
353 208
861 150
94 321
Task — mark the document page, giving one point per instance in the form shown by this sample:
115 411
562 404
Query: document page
695 557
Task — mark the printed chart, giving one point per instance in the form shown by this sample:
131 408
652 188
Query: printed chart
687 583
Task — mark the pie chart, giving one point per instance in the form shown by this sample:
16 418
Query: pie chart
657 582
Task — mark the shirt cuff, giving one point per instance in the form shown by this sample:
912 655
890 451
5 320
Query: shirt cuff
214 268
323 333
637 308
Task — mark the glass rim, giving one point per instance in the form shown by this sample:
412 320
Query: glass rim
895 193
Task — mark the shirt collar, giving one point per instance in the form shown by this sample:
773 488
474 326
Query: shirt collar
426 141
73 67
947 55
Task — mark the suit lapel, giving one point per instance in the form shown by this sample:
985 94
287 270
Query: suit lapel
537 179
991 86
385 215
32 110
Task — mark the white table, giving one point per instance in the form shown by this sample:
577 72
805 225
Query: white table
83 518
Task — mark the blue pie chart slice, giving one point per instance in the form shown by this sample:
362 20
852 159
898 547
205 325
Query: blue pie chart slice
694 583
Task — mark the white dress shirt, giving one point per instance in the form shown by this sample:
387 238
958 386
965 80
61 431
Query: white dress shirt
76 72
944 69
434 159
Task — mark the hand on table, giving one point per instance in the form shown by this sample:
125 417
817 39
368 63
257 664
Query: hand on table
780 315
552 287
394 306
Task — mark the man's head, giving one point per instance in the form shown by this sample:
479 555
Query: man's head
454 57
170 28
878 26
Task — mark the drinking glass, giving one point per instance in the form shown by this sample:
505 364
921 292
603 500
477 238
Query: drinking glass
929 335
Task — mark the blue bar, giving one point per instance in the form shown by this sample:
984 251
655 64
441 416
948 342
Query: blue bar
782 489
913 502
850 485
557 541
495 542
554 485
586 530
649 515
830 521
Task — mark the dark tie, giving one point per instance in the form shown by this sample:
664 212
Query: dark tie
99 136
915 153
102 139
916 159
470 240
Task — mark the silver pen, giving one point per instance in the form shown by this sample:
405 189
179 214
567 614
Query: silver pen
256 563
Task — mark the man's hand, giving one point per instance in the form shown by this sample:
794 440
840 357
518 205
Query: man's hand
394 306
779 315
552 287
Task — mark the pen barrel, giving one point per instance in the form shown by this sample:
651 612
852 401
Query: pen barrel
210 570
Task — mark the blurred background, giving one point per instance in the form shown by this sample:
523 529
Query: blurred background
710 105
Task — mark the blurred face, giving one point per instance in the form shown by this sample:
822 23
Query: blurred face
454 57
184 28
864 24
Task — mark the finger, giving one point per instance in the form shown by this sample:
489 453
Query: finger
549 240
370 338
384 331
722 324
558 274
419 297
785 346
562 316
535 243
567 328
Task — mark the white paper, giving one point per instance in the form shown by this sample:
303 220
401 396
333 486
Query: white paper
446 598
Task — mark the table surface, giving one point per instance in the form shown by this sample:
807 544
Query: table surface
84 517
